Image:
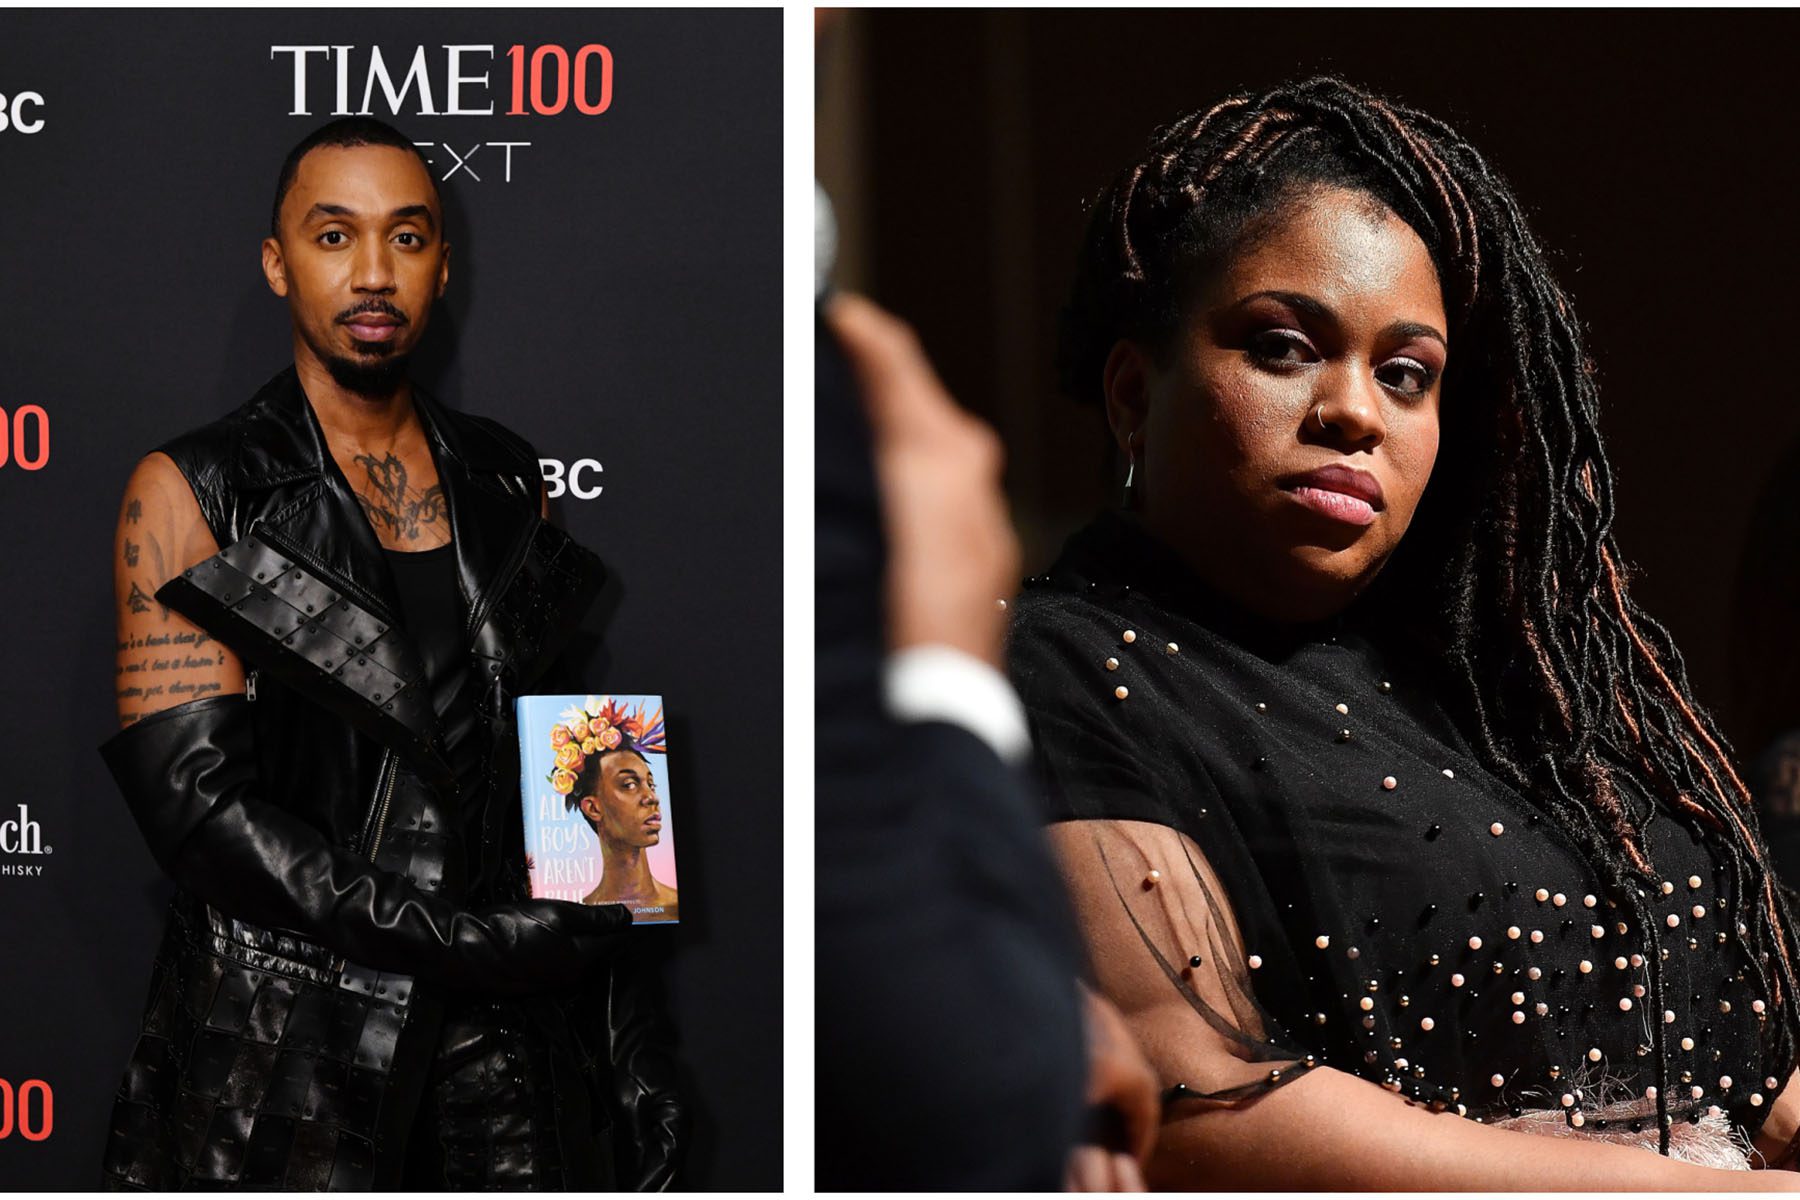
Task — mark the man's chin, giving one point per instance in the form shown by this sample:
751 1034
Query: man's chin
377 377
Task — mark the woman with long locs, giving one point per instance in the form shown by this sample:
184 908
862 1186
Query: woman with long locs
1391 821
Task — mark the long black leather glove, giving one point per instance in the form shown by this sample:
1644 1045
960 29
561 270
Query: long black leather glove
189 776
641 1043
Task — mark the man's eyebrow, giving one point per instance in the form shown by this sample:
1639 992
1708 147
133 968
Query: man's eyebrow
420 211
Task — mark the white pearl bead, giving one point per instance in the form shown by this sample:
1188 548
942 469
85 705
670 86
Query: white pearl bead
1756 1099
1121 691
1757 1006
1542 894
1129 636
1599 931
1427 1024
1667 887
1534 973
1390 783
1577 1120
1497 1080
1586 966
1619 963
1668 1017
1518 997
1112 664
1365 1004
1255 961
1699 911
1474 943
1568 1101
1687 1043
1694 882
1344 709
1594 1054
1518 1017
1625 1004
1496 829
1590 900
1512 931
1650 1093
1322 941
1537 936
1456 980
1724 1081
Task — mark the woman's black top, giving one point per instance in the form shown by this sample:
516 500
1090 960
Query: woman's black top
1405 916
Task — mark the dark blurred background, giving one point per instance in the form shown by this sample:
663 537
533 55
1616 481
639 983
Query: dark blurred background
1652 152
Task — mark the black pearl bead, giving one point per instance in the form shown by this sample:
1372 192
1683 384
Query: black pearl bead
1194 961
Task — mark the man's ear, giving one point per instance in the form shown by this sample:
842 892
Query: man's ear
444 273
274 266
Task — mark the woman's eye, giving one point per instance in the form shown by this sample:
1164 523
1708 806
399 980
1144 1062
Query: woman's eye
1281 347
1407 376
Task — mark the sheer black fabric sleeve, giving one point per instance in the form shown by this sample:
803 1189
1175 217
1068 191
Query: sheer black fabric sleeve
1137 826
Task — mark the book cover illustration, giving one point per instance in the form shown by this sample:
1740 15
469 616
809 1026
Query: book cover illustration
596 797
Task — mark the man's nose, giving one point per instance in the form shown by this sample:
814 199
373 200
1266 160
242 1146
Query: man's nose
374 268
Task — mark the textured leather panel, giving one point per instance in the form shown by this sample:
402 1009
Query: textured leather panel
240 1078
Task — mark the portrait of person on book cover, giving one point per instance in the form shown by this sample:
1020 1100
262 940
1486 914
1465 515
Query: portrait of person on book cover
606 772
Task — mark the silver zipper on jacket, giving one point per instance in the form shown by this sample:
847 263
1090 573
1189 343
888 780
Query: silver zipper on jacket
384 795
250 686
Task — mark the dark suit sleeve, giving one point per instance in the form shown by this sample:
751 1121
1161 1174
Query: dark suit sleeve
949 1043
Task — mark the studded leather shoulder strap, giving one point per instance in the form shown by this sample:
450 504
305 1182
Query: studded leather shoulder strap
278 614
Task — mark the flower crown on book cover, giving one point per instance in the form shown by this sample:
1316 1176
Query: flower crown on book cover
596 793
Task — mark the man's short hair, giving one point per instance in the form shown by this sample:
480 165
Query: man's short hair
345 131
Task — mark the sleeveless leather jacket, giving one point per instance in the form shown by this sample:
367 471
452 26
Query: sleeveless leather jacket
277 1056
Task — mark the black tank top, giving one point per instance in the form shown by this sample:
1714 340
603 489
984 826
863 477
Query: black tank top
432 613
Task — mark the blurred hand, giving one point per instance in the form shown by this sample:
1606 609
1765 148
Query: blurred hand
952 552
1120 1079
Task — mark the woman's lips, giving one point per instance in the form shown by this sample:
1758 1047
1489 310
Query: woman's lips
1340 492
1352 510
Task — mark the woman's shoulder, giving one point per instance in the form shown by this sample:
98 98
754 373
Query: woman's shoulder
1080 644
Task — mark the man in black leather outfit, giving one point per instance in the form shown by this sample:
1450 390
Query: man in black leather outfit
328 600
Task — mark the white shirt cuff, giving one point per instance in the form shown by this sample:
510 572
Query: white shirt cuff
939 683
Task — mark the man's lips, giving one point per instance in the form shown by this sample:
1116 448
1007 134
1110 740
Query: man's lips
1338 492
373 327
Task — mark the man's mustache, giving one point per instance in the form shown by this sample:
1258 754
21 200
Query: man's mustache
372 306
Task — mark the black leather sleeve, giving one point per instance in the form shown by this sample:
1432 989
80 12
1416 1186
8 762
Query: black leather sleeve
188 774
641 1041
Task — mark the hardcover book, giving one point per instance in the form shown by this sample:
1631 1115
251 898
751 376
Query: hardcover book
596 796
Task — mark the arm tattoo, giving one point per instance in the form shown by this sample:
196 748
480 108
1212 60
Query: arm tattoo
156 565
131 553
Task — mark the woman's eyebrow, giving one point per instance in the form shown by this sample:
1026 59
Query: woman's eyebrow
1309 305
1413 329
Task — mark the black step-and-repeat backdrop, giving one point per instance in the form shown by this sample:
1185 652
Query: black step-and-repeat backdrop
612 181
